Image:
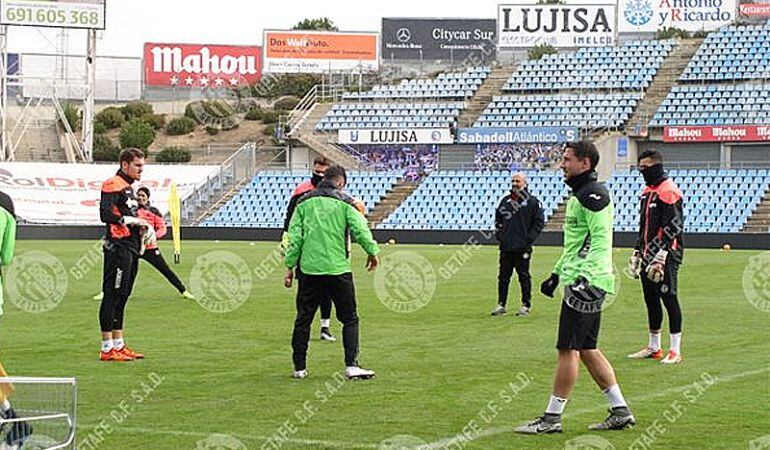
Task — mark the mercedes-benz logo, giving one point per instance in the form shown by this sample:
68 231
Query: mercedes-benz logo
403 35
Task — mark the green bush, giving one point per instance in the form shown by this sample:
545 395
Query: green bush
254 114
286 103
212 130
277 86
269 117
211 112
174 154
104 149
133 110
110 118
136 133
99 128
671 32
73 116
219 109
156 121
539 51
180 126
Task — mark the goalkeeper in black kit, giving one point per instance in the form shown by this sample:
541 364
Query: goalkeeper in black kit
657 256
125 239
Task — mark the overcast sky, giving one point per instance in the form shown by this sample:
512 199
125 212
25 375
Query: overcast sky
131 23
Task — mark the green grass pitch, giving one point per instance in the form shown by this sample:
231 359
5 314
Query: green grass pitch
448 375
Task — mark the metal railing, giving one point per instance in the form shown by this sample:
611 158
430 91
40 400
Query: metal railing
238 168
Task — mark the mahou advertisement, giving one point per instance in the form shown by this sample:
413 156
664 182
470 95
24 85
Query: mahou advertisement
201 66
717 133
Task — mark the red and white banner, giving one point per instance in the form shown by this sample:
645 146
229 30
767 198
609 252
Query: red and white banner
201 66
722 133
69 193
755 9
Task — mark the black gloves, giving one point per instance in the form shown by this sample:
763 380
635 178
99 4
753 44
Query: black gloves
549 286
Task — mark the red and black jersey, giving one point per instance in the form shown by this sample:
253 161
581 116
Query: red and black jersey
118 200
155 218
301 190
661 221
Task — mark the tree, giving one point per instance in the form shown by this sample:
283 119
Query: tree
321 24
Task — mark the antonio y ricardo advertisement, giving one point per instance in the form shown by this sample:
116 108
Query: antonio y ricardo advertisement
320 51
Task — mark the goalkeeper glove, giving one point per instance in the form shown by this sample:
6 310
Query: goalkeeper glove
635 264
549 286
656 269
148 238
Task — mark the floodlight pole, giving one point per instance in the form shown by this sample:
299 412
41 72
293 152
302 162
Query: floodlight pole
88 107
4 147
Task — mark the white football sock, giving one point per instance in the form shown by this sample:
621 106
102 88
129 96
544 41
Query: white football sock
556 405
615 397
325 323
107 345
119 343
654 341
676 342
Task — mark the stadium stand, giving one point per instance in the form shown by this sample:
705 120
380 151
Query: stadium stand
452 85
390 115
706 210
611 81
726 104
730 55
420 103
586 111
466 199
628 67
262 203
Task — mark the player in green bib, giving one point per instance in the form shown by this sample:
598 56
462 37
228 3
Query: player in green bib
585 267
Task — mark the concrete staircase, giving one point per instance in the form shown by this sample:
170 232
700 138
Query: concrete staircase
664 80
39 143
322 142
759 222
556 221
478 103
393 199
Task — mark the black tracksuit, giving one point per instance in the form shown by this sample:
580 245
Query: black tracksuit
661 224
518 222
121 249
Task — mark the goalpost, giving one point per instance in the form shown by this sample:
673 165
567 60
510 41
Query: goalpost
45 406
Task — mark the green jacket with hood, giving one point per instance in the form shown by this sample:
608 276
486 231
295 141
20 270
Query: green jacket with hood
320 230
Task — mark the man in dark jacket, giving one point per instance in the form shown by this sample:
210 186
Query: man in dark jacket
518 221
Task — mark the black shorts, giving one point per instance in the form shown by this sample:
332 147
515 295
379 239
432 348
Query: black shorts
580 319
